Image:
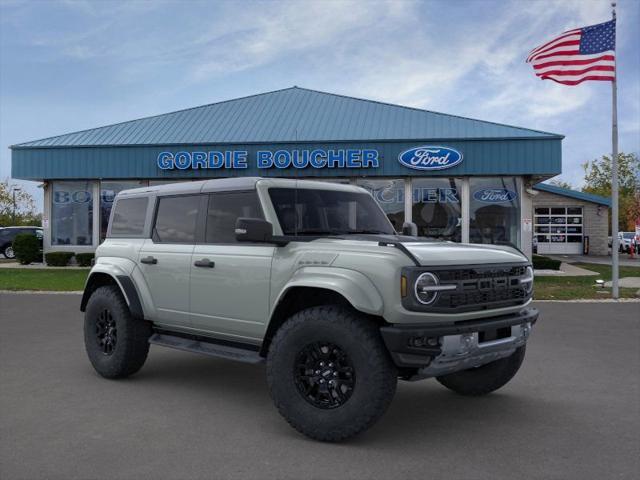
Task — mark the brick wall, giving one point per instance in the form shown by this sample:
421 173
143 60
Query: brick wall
595 226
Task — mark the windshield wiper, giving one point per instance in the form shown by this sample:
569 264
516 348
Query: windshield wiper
367 232
316 231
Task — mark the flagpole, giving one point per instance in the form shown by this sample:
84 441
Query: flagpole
614 176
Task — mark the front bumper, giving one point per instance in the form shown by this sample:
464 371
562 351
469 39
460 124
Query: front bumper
436 350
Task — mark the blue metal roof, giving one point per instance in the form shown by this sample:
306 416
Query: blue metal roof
290 115
565 192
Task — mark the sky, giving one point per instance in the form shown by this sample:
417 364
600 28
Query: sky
72 65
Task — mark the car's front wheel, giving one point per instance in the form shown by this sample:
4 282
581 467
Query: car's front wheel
486 378
116 343
329 373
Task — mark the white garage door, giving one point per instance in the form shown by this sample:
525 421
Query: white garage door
558 229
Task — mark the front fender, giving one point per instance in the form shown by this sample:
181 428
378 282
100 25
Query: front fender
361 293
119 271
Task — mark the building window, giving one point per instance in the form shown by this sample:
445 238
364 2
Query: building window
72 213
494 211
390 196
436 209
108 192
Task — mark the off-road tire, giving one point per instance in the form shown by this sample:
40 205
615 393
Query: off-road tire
132 341
485 379
8 251
374 372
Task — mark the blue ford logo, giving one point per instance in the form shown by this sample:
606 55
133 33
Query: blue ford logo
430 158
495 195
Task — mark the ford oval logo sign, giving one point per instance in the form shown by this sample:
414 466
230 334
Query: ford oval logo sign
495 195
430 158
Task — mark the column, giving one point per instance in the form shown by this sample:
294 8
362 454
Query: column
464 207
408 200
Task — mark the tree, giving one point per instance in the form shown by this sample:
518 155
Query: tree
597 180
25 208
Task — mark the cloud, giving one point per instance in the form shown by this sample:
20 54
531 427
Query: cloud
274 31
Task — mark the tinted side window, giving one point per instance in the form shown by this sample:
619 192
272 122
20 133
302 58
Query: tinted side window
224 209
176 219
128 217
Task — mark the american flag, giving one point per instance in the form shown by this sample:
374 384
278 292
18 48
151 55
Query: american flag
586 53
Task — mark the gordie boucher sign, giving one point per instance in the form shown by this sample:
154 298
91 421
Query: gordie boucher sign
239 159
418 158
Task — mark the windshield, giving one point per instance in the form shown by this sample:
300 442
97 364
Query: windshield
328 212
628 234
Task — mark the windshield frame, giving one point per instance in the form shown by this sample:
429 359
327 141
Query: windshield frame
381 220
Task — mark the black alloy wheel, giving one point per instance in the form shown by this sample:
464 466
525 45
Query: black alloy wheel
106 332
324 375
329 372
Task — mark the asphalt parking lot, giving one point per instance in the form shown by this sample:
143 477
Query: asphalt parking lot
573 411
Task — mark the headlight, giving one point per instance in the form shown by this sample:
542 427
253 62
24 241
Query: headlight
426 288
527 280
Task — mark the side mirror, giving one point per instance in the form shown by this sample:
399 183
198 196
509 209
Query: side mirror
253 230
410 229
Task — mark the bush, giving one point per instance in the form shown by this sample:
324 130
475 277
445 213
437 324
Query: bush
58 259
84 259
545 263
27 248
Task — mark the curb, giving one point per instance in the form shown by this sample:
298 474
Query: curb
592 300
41 292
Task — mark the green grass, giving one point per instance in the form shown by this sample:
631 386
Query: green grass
42 279
546 288
571 288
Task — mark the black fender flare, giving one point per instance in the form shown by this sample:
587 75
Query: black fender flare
123 282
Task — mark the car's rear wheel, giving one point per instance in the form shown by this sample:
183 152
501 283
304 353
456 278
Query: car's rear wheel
116 343
8 251
486 378
329 373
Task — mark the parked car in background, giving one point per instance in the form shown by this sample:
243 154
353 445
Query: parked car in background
8 234
625 241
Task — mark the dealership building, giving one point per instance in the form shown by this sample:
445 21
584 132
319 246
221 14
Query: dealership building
456 178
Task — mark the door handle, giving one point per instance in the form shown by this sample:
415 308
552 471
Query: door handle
149 260
205 262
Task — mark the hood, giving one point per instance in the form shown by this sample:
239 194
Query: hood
436 252
449 253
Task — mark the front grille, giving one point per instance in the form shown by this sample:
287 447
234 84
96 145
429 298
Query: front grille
477 288
480 298
478 273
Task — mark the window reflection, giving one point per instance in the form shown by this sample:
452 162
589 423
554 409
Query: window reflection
494 210
390 195
72 213
436 208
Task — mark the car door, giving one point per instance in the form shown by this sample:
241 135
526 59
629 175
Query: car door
229 280
165 258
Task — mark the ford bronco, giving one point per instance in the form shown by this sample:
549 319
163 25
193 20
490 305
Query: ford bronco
312 279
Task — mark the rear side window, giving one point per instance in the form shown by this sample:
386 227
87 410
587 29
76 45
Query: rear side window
176 219
128 217
224 209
